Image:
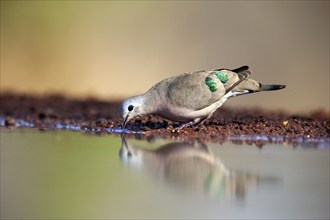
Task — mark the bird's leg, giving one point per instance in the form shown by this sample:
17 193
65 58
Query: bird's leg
201 122
197 122
190 123
183 126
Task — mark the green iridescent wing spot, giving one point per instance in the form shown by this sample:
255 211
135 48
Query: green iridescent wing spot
221 76
211 84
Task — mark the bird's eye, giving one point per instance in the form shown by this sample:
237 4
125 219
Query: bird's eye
130 108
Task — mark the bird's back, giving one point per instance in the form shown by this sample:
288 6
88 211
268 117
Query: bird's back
199 89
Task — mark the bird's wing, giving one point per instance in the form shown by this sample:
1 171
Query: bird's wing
200 89
238 76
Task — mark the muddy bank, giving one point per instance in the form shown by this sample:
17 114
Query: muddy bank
91 115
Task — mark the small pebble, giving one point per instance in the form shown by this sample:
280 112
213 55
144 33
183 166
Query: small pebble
10 122
285 123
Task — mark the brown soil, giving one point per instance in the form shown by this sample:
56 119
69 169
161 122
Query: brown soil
96 116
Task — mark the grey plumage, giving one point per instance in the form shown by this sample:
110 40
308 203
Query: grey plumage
193 97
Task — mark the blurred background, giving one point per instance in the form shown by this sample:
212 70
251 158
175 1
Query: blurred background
112 50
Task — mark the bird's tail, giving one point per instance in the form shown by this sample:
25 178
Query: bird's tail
270 87
251 86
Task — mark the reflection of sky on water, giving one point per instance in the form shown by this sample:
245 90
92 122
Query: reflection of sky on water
66 175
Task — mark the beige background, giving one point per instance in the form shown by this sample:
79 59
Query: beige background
117 49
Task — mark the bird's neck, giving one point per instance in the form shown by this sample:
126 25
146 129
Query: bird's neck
151 102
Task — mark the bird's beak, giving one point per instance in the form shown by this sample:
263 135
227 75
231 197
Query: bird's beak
123 141
124 122
124 147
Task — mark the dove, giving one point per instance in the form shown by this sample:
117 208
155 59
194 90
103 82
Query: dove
191 98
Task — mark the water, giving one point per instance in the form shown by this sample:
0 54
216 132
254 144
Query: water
65 174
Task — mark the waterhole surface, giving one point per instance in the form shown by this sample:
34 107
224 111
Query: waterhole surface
66 174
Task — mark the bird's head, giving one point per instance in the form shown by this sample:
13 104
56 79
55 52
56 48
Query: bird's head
132 107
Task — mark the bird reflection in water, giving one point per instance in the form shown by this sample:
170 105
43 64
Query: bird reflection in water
189 167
